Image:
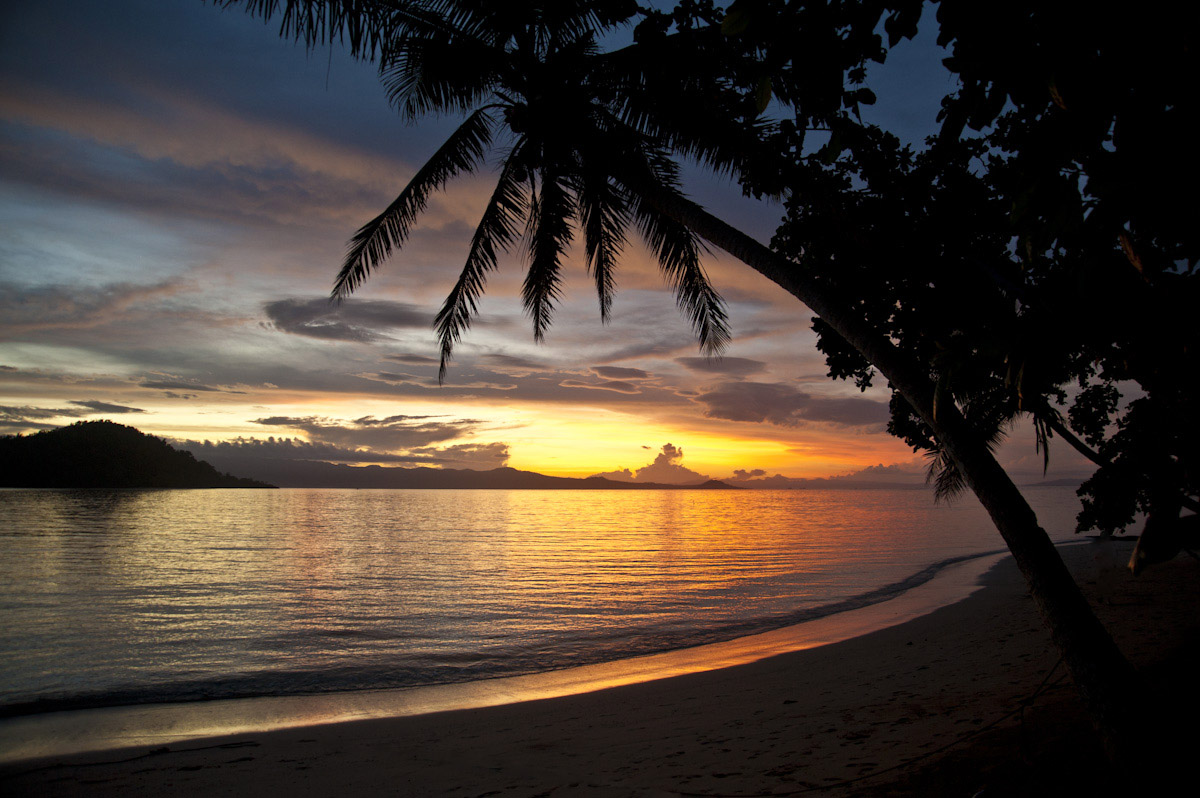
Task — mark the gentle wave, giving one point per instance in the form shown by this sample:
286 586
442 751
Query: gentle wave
467 666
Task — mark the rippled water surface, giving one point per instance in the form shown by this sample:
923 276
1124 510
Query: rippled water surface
110 597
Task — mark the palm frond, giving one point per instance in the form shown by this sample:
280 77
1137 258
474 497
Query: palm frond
604 215
942 472
375 240
643 169
441 74
990 423
498 228
678 251
549 238
647 170
370 27
1043 432
691 127
572 20
662 90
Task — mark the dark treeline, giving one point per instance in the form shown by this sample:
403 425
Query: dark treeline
103 454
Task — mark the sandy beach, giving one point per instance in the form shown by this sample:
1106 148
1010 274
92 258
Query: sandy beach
966 700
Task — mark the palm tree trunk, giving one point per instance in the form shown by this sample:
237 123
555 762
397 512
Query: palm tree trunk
1101 673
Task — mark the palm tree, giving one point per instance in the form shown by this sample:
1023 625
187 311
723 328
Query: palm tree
578 142
524 75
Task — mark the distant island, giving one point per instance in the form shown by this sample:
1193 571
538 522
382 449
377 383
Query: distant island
104 454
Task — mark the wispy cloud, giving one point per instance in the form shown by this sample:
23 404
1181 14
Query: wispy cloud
24 418
360 320
237 454
237 166
451 387
173 384
511 362
785 406
616 386
26 309
729 366
620 373
96 406
393 434
413 360
478 457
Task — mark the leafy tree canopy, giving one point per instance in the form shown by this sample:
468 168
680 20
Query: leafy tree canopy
1039 254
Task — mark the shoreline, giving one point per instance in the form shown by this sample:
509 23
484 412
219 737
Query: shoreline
863 709
99 701
92 729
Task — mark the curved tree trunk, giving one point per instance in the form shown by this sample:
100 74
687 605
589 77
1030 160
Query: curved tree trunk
1101 673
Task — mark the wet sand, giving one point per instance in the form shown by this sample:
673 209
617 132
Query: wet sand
929 707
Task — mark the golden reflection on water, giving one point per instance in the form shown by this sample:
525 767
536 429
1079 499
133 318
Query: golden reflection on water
186 594
65 733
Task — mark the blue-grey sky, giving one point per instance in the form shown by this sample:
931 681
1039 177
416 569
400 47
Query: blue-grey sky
177 185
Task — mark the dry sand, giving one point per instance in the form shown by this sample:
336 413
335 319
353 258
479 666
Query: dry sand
930 707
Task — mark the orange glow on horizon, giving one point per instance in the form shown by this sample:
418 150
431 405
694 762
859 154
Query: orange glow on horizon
556 440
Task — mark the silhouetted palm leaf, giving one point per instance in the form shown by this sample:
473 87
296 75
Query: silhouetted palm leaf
368 27
375 240
678 252
646 170
990 422
549 238
604 213
441 73
670 98
498 229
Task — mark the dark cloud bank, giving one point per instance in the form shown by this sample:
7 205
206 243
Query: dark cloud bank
359 320
337 453
786 406
294 463
19 419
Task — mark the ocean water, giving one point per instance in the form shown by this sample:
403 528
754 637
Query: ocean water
111 598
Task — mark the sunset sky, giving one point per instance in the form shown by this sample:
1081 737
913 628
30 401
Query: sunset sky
177 185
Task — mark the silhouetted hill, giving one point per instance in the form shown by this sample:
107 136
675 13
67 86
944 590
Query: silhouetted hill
103 454
317 474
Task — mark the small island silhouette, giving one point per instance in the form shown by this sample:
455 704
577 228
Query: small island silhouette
104 454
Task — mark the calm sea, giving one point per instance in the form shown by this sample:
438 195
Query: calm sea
121 597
